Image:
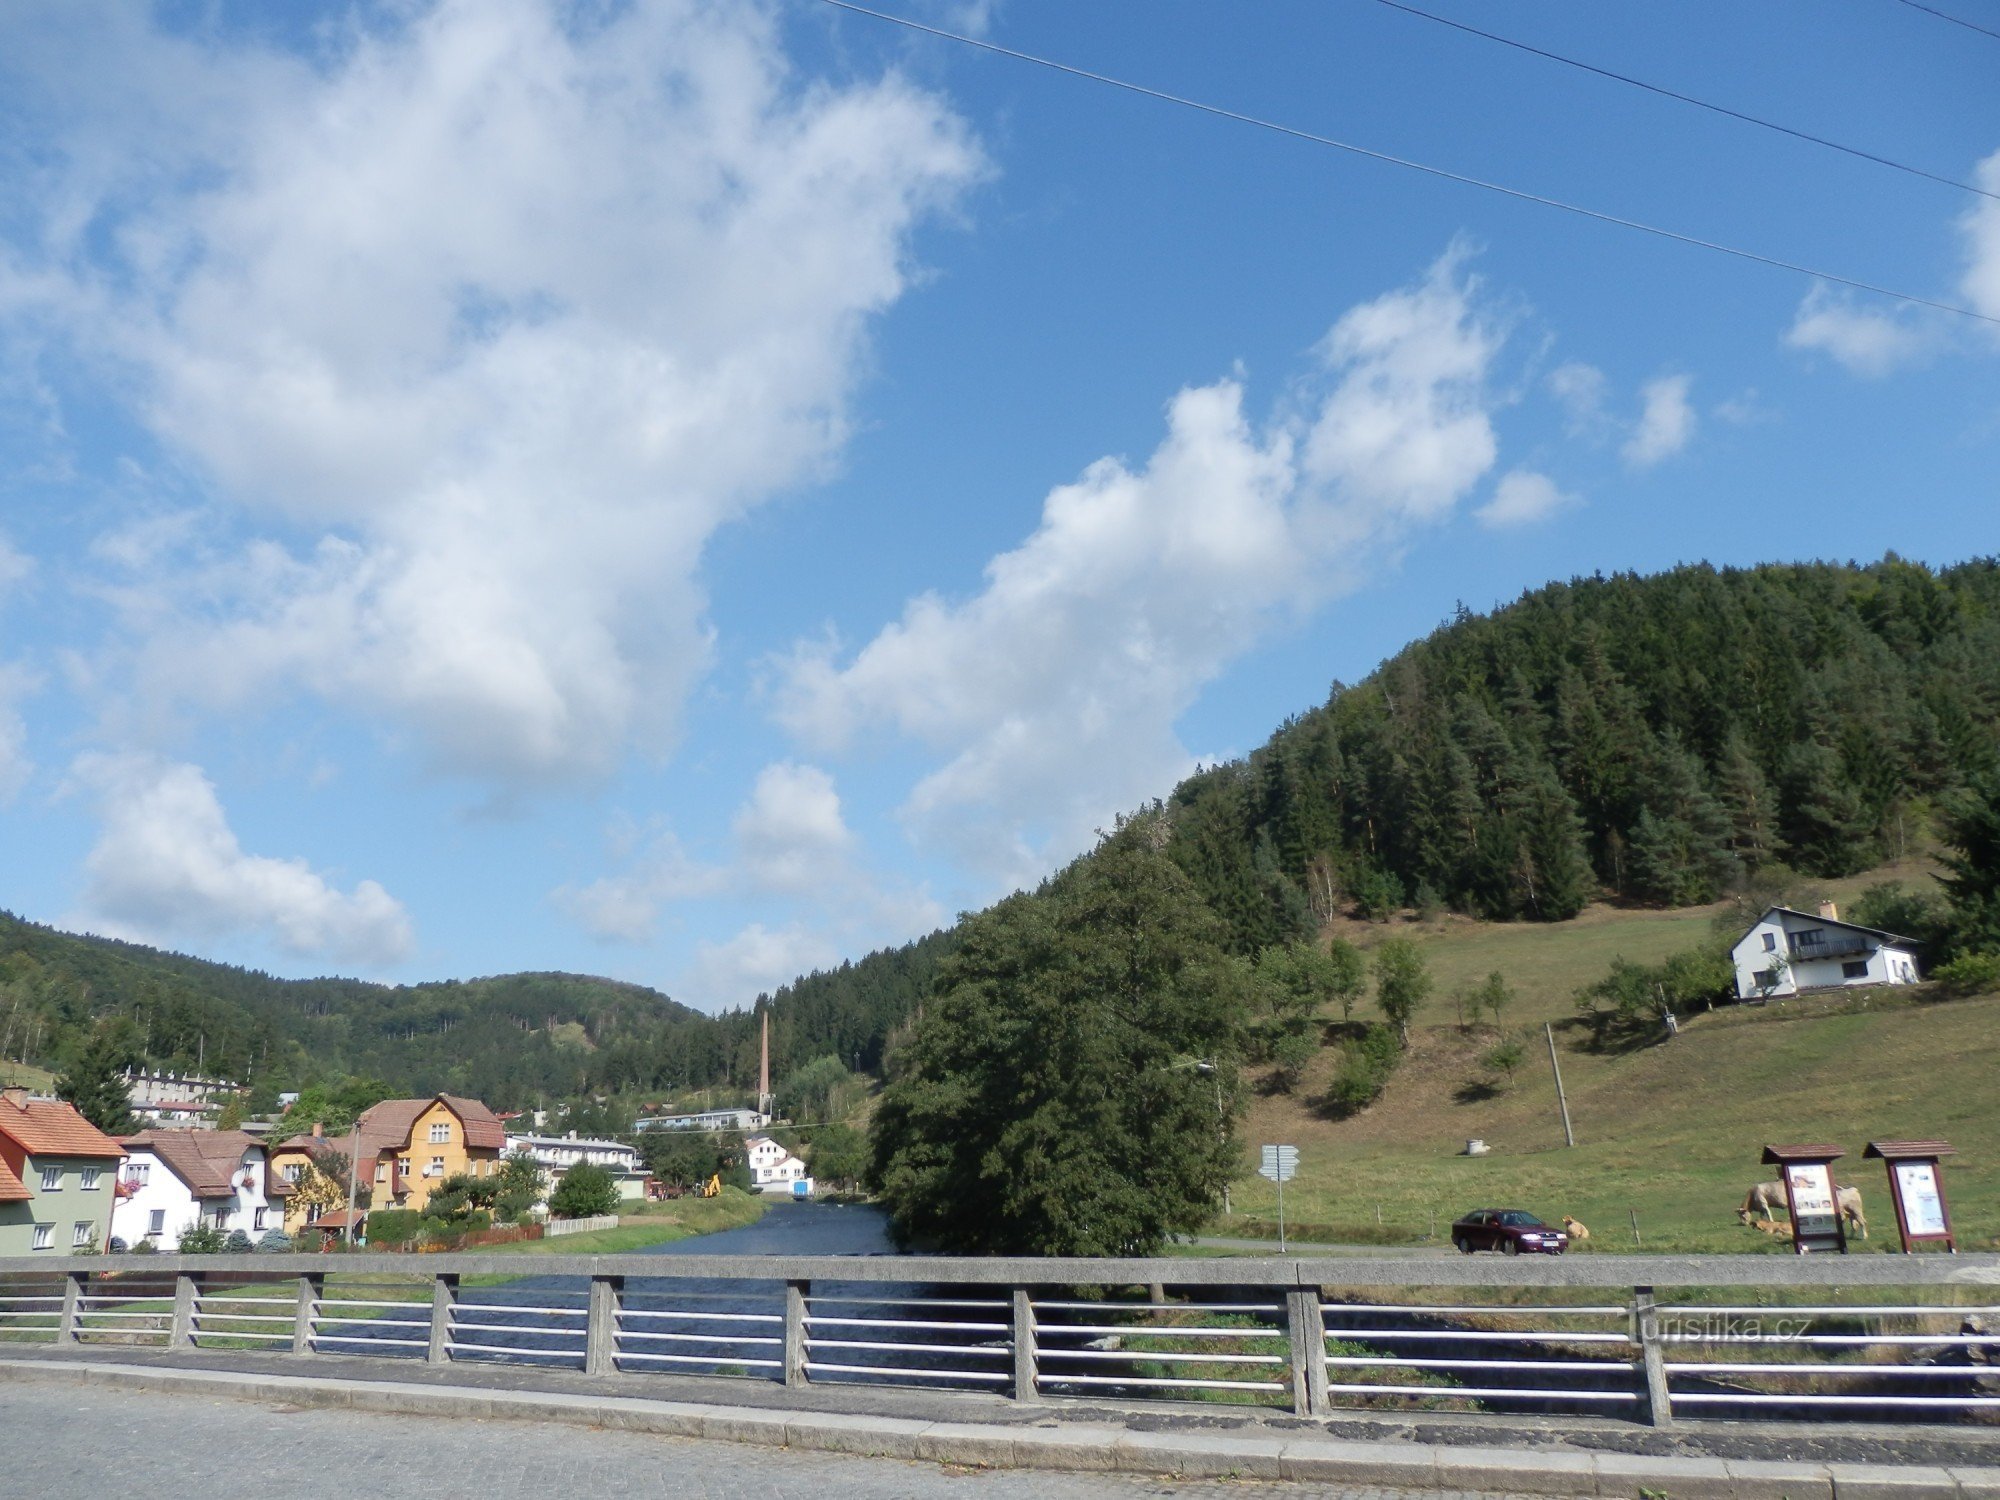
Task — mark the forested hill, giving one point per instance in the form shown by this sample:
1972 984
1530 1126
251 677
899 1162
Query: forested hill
511 1039
1647 738
1651 739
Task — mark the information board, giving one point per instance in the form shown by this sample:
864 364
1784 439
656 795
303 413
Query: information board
1922 1199
1815 1213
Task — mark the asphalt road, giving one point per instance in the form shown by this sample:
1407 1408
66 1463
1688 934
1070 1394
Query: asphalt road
63 1443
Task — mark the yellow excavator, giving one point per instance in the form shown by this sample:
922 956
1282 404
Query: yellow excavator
713 1187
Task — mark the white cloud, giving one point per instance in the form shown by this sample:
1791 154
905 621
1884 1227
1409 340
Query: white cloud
1580 389
504 306
1666 422
1522 498
1052 694
1981 228
16 683
167 868
1864 340
790 836
756 961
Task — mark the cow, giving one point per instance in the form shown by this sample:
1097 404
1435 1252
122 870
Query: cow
1767 1200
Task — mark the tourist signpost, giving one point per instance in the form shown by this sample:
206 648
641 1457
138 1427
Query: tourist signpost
1916 1184
1281 1165
1810 1195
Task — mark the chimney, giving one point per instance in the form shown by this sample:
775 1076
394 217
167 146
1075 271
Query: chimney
1828 910
17 1096
764 1069
319 1130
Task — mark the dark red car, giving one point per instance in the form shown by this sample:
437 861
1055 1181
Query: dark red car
1511 1231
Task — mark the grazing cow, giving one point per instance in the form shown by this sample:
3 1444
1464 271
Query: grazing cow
1575 1228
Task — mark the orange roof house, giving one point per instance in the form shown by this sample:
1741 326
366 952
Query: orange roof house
406 1147
57 1177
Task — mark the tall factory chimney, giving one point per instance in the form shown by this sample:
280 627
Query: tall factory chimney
764 1070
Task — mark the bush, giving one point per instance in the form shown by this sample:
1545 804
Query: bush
1365 1067
1969 974
145 1247
116 1246
202 1239
237 1243
585 1192
394 1226
274 1242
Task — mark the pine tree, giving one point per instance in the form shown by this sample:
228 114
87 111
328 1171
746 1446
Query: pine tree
1972 828
95 1085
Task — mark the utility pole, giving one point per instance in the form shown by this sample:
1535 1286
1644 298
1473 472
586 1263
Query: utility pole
353 1172
1569 1135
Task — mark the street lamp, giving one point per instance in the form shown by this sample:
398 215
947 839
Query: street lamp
1204 1065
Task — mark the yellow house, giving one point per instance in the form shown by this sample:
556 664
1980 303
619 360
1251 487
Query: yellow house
404 1148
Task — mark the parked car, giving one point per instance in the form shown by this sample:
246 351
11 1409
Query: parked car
1511 1231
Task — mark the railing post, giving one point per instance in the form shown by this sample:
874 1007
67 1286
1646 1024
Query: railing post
600 1339
795 1331
1646 1328
1025 1386
1305 1332
187 1287
72 1304
311 1285
444 1298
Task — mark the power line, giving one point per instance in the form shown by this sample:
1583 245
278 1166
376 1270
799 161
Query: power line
1416 166
1955 20
1667 93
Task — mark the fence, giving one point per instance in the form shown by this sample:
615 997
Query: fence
1872 1337
553 1227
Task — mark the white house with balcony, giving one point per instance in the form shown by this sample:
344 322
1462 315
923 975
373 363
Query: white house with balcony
775 1170
556 1154
1786 952
172 1180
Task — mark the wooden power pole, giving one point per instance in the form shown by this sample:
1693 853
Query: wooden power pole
1562 1099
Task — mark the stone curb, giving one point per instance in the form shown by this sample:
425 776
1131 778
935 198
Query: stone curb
1085 1447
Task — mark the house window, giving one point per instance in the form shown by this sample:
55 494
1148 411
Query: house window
258 1221
138 1173
52 1179
90 1176
294 1171
381 1171
1854 970
403 1165
436 1168
1770 942
440 1134
79 1234
45 1236
1766 979
156 1222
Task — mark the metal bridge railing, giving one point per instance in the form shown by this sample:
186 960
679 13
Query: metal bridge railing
1866 1337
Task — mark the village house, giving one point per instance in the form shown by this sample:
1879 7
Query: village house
773 1169
57 1176
1788 951
405 1149
556 1154
169 1099
712 1119
173 1180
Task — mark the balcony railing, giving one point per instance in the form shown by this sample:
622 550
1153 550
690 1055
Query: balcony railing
1877 1338
1840 945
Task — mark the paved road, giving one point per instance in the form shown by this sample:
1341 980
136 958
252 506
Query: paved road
106 1442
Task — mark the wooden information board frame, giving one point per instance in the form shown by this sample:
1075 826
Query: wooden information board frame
1916 1187
1811 1197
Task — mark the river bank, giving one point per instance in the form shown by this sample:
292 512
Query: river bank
653 1224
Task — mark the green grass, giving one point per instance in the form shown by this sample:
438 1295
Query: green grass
22 1075
661 1224
1671 1132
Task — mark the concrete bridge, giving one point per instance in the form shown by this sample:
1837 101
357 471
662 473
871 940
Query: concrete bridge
1691 1376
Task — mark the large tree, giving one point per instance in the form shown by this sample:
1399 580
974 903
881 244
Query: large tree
94 1082
1071 1085
1972 829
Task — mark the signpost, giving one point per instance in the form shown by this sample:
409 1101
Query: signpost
1916 1183
1281 1165
1809 1193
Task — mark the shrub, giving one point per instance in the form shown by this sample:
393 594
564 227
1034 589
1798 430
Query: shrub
237 1243
585 1192
394 1226
145 1247
1365 1067
116 1246
274 1242
202 1239
1969 974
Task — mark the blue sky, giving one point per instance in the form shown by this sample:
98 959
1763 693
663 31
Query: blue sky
694 492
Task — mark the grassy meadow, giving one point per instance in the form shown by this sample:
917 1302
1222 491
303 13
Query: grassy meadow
1670 1132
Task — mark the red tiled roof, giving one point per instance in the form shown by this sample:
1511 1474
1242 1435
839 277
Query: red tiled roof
12 1189
387 1126
47 1127
483 1129
205 1160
